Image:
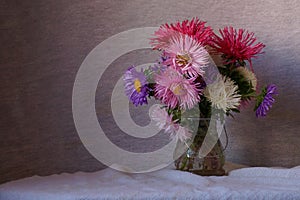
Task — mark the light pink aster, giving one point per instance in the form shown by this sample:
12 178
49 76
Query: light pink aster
164 121
193 28
174 90
186 55
181 134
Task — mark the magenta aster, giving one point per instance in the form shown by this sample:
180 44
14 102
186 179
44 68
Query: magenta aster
173 89
136 86
265 100
237 45
194 28
186 55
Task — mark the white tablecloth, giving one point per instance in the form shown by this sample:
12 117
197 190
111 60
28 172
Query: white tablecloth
247 183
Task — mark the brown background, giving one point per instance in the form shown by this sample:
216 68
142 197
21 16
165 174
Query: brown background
44 42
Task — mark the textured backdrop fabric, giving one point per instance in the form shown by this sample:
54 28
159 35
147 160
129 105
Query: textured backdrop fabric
43 44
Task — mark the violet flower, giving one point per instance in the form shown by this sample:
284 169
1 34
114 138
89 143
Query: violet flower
136 87
265 100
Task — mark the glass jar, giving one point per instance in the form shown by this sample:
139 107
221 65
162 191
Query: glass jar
193 159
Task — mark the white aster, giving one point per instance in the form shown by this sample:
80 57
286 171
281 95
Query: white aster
222 94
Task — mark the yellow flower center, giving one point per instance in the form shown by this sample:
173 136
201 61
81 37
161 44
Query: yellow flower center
137 85
178 89
183 60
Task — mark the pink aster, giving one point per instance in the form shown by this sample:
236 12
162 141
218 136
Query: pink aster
164 121
237 45
181 134
194 28
174 90
187 56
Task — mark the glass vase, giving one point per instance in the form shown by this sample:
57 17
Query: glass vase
210 164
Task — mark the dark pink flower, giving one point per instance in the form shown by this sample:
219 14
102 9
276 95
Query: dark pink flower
237 45
194 28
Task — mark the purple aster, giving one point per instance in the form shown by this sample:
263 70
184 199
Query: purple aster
265 100
136 86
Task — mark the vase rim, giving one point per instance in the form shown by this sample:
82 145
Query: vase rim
198 118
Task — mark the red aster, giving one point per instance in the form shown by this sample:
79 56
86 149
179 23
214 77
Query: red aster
194 28
237 45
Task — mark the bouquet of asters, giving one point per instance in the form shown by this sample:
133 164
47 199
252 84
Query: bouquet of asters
183 78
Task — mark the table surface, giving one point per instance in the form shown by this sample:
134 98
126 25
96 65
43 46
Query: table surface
229 166
241 183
